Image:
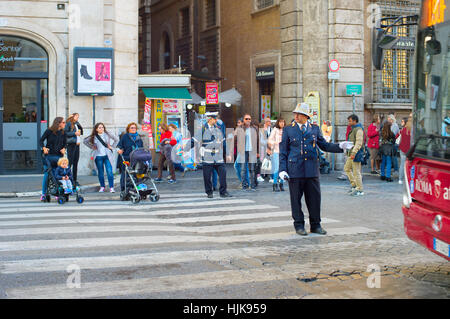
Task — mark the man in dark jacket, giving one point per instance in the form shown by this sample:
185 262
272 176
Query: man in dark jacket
299 163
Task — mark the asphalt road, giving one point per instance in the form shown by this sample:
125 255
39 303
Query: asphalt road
187 246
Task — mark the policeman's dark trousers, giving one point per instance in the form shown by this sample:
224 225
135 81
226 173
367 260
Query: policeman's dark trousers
207 174
311 188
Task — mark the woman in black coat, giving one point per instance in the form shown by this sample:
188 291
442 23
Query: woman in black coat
54 148
128 143
73 131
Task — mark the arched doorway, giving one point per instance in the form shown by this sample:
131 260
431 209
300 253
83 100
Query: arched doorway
23 104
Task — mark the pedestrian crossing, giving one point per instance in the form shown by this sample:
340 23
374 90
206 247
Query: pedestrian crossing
105 235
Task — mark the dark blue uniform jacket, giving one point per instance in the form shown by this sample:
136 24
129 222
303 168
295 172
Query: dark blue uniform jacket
299 151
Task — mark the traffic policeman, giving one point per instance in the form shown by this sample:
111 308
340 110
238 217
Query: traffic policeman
299 164
213 148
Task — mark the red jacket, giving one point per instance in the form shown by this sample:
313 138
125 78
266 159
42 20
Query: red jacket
374 136
405 141
168 134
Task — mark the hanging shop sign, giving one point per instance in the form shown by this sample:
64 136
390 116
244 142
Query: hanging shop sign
265 73
147 126
313 99
158 120
212 92
265 106
93 71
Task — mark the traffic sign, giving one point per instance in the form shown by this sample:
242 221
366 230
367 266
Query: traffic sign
334 65
333 75
355 89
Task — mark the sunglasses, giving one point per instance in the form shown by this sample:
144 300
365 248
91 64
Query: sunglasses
248 119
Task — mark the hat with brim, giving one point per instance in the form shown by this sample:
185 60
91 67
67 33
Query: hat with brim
302 108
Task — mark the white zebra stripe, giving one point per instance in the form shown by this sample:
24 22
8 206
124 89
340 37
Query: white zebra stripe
137 212
155 240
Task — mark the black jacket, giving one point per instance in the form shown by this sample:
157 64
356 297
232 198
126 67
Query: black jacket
55 142
71 137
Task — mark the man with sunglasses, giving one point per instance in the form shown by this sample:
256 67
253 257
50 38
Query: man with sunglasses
247 147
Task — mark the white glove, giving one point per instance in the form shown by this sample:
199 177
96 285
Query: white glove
346 145
283 176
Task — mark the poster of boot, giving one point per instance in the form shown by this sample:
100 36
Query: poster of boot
93 71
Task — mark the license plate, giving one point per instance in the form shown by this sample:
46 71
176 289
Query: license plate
441 247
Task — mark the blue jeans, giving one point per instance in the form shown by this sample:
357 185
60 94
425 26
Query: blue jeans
180 167
395 158
48 161
237 168
101 161
276 168
386 164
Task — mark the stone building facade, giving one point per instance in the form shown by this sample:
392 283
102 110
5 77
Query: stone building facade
57 27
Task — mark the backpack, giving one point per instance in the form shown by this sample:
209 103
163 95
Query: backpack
363 155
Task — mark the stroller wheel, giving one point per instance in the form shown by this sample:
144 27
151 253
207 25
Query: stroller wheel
123 196
154 198
61 200
135 199
80 199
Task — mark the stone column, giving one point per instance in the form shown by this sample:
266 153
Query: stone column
291 15
346 44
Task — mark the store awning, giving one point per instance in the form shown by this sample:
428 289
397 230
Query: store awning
231 96
167 93
196 99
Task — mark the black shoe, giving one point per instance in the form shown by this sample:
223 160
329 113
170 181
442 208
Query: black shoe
374 172
281 187
301 232
210 195
389 179
382 178
275 188
225 195
319 231
215 189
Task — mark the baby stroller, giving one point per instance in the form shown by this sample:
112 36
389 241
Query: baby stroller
54 188
138 181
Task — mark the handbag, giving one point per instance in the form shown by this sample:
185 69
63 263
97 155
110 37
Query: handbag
266 164
362 156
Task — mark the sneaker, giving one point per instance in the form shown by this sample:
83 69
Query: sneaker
101 190
171 181
343 177
158 180
260 179
352 190
400 182
271 180
374 173
43 197
111 190
357 193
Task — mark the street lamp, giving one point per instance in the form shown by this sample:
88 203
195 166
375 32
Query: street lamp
228 104
189 106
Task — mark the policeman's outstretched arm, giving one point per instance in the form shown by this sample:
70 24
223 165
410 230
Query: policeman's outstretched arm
327 147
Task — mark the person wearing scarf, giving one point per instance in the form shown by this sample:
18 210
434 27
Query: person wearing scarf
128 143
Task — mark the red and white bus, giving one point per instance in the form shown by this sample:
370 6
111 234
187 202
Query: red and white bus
426 197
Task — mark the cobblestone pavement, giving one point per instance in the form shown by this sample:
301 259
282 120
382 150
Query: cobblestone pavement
187 246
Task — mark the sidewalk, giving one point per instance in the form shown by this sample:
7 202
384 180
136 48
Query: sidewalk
30 185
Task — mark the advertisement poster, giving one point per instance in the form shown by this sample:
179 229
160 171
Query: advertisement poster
170 106
313 99
147 127
94 76
212 93
158 121
265 106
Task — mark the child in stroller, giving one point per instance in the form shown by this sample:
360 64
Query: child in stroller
60 183
138 177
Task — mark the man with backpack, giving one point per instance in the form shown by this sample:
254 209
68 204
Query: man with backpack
354 157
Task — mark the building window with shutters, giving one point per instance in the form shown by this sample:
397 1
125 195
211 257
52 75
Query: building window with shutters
185 28
210 13
394 83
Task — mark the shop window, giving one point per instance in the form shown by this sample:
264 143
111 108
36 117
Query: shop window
21 55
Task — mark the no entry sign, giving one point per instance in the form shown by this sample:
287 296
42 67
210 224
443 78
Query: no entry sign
334 65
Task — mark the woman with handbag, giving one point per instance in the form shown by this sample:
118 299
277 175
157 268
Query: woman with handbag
73 130
273 149
103 143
